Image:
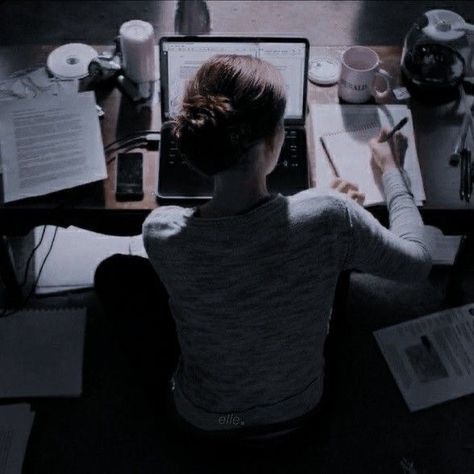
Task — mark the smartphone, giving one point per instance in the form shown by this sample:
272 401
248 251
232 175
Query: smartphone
129 177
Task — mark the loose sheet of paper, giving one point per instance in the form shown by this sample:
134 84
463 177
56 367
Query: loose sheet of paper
444 248
137 247
432 357
15 427
41 353
330 118
75 255
50 143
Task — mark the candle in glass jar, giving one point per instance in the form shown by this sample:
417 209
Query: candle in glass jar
137 43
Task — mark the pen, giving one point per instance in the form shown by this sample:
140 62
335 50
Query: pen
395 129
403 172
465 187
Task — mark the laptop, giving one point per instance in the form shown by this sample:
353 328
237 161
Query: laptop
180 57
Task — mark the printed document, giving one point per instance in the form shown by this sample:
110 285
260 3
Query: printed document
50 143
432 357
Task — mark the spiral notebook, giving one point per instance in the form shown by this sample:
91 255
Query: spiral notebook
345 131
41 353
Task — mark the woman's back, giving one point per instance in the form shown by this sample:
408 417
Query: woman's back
251 296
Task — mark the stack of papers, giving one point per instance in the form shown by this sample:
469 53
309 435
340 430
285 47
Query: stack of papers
41 353
50 143
15 428
75 255
431 358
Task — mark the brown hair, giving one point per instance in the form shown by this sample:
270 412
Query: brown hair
232 102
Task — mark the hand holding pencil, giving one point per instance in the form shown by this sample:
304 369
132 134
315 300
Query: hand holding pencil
388 151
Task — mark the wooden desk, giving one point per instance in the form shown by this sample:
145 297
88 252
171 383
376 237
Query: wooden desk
94 206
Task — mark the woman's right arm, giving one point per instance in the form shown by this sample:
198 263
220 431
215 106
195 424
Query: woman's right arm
401 253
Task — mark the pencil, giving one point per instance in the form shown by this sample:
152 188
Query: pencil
333 166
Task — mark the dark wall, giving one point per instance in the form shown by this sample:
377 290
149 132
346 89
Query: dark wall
323 22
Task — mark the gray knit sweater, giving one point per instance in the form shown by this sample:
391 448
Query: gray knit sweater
252 295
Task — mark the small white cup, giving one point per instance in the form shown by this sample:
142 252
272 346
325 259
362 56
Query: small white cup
360 66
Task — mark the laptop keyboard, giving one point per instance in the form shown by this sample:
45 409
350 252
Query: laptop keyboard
289 176
290 152
173 156
291 172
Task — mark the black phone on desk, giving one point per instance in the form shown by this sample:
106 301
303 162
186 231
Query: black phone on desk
129 177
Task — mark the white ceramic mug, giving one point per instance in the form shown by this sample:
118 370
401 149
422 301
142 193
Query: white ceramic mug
360 66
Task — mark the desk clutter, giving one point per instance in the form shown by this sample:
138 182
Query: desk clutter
51 139
436 65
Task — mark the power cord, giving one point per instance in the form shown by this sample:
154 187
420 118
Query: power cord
126 146
149 138
5 312
138 133
30 258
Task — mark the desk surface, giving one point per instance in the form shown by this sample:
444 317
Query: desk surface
94 205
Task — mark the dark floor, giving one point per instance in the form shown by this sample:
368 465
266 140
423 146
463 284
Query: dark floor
116 426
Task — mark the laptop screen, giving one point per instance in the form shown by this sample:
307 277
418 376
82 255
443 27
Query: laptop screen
180 58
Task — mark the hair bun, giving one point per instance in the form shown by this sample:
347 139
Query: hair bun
204 129
206 111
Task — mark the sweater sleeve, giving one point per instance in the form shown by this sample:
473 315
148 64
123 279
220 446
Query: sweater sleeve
401 253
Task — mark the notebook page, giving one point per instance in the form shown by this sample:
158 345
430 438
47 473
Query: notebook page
352 158
327 119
